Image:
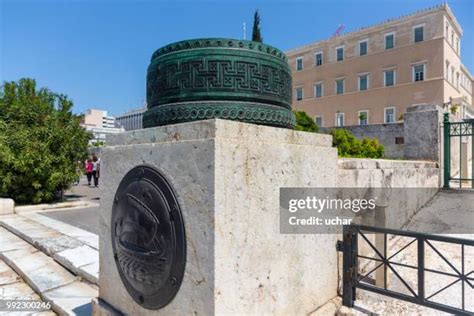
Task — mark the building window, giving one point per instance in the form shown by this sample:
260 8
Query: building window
389 78
318 59
299 94
339 119
389 116
389 40
318 120
419 72
363 117
340 86
447 30
452 38
447 70
457 80
340 53
318 90
452 75
363 47
363 82
419 34
299 63
457 45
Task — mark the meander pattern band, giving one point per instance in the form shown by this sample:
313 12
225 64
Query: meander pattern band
239 111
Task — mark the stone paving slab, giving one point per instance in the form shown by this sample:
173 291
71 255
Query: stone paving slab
12 287
10 241
7 276
90 239
46 277
69 251
27 229
56 244
76 259
41 272
91 272
17 291
72 299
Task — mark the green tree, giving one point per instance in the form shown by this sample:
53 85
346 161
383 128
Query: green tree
40 142
349 146
256 36
97 144
305 123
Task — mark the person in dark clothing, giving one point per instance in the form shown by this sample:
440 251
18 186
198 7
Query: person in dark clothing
95 170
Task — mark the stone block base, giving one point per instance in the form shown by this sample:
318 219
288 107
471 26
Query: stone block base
227 177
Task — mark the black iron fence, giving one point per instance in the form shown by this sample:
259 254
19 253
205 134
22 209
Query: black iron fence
464 133
353 280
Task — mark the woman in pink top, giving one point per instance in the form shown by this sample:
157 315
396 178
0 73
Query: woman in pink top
89 171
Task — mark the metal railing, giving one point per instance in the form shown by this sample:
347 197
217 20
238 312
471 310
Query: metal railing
462 130
352 279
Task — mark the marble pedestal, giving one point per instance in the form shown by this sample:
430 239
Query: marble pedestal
227 177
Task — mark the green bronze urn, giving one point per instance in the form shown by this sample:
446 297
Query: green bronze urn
219 78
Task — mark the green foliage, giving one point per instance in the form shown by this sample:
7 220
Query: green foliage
98 143
305 123
256 36
40 142
349 146
454 109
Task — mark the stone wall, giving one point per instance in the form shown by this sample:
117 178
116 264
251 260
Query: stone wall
381 173
391 136
418 137
423 129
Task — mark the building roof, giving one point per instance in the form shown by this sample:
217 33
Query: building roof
386 23
132 111
466 71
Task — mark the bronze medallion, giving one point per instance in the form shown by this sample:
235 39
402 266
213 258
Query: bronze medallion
148 237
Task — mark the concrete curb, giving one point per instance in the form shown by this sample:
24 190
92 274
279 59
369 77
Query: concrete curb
7 206
52 206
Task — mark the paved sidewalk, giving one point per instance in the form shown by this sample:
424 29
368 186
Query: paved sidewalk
84 218
83 191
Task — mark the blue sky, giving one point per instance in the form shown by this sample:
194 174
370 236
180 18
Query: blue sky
97 52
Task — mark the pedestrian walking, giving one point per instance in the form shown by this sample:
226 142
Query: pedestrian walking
89 168
95 171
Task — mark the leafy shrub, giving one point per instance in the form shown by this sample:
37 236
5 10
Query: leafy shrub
40 142
349 146
305 123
